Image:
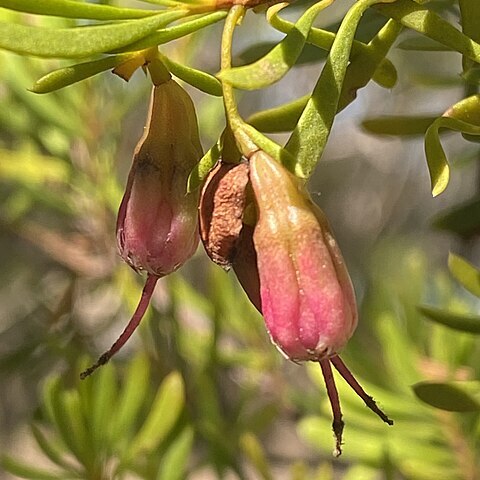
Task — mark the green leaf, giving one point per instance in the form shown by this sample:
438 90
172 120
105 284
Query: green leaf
385 74
423 44
472 75
361 472
102 404
436 158
203 167
30 168
131 398
451 396
70 423
23 470
470 10
465 273
423 20
51 449
363 66
75 9
464 219
254 452
174 462
310 53
166 35
63 77
165 411
398 125
309 137
80 41
456 321
275 64
52 111
203 81
400 346
282 118
50 392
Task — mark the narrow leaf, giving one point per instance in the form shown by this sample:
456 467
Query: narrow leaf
362 67
71 425
201 169
175 461
23 470
165 411
398 125
464 219
275 64
423 44
467 110
75 9
80 41
436 158
51 449
282 118
456 321
50 392
168 34
254 452
310 136
361 472
131 398
63 77
423 20
385 75
203 81
465 273
102 404
451 396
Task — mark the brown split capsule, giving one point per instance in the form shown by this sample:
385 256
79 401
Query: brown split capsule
222 204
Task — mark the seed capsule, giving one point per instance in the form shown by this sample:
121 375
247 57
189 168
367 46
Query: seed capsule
222 204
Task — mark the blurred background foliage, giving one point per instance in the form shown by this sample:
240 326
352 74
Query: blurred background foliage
200 392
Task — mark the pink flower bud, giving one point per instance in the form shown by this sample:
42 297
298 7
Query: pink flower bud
157 227
307 297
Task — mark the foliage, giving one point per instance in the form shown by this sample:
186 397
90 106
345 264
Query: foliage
207 388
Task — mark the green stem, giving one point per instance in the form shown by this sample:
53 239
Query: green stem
158 71
235 121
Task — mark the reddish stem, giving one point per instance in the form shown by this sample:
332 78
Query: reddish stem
332 392
147 293
350 379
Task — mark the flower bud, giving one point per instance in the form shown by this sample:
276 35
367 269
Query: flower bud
307 297
157 228
157 220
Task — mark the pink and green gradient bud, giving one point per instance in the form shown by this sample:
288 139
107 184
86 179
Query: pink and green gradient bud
306 294
157 228
307 298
